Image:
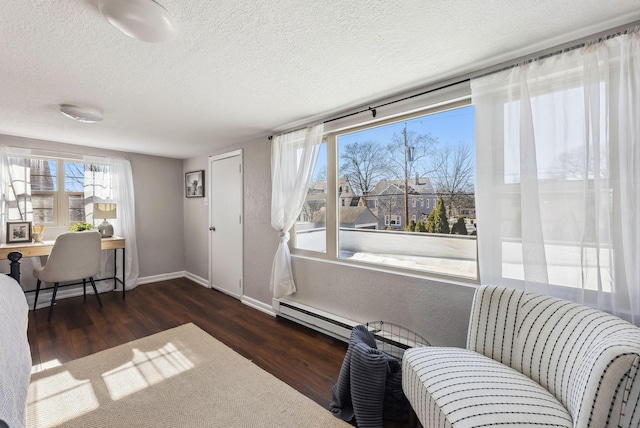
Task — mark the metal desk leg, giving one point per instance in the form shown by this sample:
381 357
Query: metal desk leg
115 268
124 273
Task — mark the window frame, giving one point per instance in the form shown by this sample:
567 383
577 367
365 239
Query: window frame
61 197
332 196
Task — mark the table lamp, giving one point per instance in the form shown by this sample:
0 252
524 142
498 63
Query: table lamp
105 211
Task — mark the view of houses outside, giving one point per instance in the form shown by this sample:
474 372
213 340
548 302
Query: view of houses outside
398 181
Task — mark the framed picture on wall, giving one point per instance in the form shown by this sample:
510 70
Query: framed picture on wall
194 184
18 231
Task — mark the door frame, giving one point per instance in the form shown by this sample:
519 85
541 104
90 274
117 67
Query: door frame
209 220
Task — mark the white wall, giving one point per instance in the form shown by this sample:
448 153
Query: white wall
438 311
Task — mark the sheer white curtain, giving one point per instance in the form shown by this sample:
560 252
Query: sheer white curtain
15 199
293 157
558 175
111 180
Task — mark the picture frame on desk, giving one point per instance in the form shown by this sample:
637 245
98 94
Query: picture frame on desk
18 231
194 184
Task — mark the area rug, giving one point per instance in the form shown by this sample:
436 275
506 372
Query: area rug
180 377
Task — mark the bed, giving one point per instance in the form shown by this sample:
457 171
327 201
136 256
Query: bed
15 356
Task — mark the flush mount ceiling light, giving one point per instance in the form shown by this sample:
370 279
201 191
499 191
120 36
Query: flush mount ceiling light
81 114
144 20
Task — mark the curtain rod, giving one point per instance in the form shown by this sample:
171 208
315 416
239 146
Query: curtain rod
373 110
563 48
556 50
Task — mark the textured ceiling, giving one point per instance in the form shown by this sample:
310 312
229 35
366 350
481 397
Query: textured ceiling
240 69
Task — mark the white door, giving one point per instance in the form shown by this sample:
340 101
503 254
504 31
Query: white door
225 223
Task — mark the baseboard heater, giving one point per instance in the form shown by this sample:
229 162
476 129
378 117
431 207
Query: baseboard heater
390 338
324 322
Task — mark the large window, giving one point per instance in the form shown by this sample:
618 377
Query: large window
367 201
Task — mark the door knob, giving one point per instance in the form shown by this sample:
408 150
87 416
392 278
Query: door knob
213 229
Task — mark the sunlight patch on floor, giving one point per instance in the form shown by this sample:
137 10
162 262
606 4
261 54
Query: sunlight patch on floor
67 394
146 369
59 398
44 366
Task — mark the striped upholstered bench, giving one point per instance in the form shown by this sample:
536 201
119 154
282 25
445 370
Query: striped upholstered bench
531 361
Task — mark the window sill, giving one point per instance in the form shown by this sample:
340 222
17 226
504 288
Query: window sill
427 276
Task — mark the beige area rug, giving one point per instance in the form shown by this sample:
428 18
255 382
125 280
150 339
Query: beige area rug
181 377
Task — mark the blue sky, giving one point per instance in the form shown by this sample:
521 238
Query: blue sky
449 127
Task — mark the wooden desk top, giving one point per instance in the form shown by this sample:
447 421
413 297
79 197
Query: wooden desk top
32 249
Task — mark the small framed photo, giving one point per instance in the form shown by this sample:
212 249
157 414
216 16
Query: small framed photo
194 184
18 231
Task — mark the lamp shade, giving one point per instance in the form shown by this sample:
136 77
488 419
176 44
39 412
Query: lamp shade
104 211
144 20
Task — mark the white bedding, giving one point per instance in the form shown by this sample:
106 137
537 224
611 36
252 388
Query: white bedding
15 356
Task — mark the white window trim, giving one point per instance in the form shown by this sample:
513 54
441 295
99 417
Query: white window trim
332 194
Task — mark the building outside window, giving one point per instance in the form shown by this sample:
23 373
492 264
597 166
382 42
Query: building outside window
381 171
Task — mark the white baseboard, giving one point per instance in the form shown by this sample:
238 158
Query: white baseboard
44 297
197 279
161 277
257 304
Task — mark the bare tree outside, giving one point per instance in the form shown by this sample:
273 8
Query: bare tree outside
364 164
408 152
570 165
420 150
454 177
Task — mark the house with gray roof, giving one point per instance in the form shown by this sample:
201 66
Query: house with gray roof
386 201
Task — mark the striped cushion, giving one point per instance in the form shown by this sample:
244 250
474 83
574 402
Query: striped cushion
453 387
582 355
588 359
493 323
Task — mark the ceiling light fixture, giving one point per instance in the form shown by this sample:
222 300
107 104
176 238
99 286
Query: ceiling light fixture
81 114
144 20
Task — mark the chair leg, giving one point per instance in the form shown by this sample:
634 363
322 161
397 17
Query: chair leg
53 300
35 301
95 290
84 289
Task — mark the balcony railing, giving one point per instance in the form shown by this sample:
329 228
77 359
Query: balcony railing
454 255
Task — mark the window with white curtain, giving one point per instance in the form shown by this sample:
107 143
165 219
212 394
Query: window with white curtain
355 208
558 143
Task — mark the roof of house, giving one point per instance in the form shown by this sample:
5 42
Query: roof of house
351 215
417 186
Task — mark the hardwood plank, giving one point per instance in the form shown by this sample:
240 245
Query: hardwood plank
305 359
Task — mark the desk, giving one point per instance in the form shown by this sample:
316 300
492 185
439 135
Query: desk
27 249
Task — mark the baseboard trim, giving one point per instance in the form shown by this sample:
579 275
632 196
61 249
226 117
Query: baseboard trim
257 304
161 277
197 279
45 296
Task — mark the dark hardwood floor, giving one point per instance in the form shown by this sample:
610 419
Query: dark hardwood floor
306 360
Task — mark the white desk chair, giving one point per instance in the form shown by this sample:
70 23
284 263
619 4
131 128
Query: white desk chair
74 256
